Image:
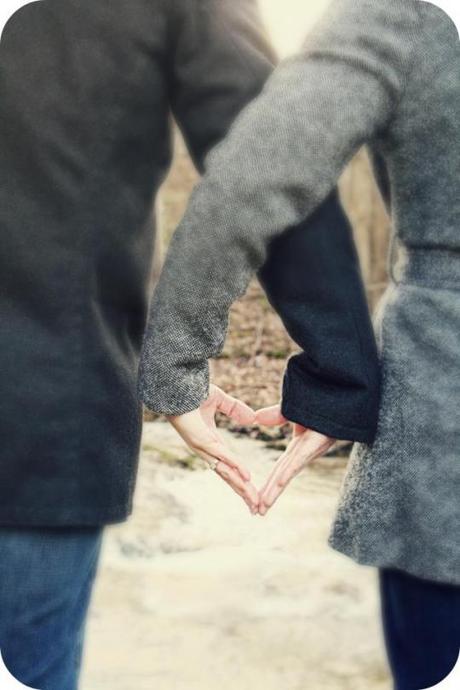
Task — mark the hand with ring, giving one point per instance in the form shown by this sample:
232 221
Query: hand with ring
199 431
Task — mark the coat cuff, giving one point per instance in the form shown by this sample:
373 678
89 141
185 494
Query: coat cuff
172 390
346 414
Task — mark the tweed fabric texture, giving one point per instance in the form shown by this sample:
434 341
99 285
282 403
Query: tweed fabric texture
386 75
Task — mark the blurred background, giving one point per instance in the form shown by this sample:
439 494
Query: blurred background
194 592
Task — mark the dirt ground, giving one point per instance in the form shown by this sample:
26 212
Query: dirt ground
194 593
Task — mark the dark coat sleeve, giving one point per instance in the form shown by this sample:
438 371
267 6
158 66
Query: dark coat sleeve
313 279
220 61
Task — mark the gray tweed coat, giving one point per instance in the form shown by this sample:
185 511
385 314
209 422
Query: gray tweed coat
386 75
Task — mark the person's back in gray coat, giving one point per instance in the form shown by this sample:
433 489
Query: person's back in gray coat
386 75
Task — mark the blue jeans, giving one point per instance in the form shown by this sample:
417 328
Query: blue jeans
422 628
46 577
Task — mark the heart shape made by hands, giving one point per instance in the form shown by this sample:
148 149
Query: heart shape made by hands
199 431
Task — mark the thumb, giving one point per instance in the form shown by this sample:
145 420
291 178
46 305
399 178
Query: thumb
270 416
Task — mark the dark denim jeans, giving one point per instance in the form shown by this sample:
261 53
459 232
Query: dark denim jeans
422 628
46 577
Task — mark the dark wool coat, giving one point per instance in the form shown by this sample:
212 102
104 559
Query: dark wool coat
86 92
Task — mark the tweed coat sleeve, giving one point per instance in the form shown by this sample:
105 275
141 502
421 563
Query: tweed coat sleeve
220 61
281 160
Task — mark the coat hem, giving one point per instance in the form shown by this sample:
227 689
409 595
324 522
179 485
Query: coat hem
442 576
33 518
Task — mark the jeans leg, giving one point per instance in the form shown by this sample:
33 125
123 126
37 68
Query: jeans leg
46 579
421 622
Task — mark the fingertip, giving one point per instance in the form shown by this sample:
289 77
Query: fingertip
268 502
269 416
246 416
259 416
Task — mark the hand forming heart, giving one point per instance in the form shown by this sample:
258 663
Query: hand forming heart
199 431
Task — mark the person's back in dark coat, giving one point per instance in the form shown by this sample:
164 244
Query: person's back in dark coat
86 92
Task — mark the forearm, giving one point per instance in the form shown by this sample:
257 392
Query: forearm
205 102
313 279
281 160
256 185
